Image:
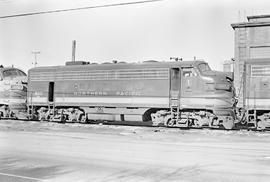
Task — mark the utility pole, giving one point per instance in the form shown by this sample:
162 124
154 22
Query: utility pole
35 54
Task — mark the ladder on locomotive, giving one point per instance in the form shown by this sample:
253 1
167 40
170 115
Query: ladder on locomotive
30 108
51 104
51 109
251 117
175 106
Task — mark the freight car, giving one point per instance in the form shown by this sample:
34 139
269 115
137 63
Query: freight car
182 94
13 91
256 93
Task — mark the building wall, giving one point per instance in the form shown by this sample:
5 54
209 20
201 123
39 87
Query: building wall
259 40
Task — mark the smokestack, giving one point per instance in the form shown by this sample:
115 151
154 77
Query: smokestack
73 50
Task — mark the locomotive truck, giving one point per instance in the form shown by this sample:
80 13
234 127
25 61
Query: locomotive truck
13 91
182 94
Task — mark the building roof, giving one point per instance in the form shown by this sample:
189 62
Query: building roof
252 22
258 16
249 24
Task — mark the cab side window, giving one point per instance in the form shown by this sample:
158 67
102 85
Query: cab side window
189 72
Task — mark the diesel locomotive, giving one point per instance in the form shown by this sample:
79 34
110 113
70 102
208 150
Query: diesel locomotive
13 92
179 93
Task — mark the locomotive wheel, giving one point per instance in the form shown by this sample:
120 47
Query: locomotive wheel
83 119
170 123
261 125
228 124
63 119
50 118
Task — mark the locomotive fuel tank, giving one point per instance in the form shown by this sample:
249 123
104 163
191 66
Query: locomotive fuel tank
186 93
13 91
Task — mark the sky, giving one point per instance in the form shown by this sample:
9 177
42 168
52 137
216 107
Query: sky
131 33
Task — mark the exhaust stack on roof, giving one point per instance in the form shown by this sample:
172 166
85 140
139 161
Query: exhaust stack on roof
73 50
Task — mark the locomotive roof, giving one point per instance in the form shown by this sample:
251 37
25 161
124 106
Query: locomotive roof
121 65
8 68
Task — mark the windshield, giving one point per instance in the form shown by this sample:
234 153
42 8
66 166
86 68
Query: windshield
204 67
11 73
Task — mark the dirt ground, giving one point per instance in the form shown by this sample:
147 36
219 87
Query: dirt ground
34 151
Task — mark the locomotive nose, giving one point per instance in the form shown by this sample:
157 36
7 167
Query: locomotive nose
223 86
221 82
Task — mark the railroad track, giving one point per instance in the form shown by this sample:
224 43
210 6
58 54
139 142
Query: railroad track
237 127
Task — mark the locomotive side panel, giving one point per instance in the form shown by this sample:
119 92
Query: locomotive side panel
121 88
124 93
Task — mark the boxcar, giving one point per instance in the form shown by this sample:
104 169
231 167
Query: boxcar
186 93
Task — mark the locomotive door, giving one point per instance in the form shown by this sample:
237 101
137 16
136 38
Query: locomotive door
51 104
51 92
175 79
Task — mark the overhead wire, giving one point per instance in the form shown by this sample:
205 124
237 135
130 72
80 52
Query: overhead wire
80 8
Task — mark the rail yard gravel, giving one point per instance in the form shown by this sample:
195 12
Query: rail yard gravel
45 151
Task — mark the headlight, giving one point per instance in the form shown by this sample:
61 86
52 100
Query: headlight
16 87
6 82
208 79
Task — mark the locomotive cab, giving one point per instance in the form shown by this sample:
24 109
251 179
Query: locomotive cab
206 98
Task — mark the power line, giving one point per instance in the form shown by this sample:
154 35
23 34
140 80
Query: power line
76 9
